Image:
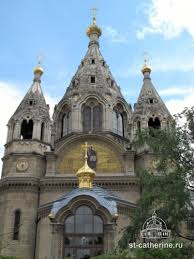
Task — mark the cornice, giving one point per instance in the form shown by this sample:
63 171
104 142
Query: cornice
19 184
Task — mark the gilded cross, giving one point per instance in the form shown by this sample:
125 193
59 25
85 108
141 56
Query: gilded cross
86 146
145 59
40 58
94 11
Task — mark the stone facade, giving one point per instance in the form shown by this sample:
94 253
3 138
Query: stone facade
42 156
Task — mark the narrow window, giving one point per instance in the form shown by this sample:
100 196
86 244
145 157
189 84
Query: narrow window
138 126
87 119
93 61
27 129
16 225
30 102
92 80
42 131
118 123
97 118
151 101
66 124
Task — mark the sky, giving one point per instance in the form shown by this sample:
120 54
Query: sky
164 29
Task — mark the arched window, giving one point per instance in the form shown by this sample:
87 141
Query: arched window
16 227
66 124
92 118
42 134
118 123
154 123
83 234
138 126
87 119
97 118
27 129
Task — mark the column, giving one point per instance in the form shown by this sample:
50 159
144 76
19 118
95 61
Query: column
36 130
108 118
109 237
17 130
56 241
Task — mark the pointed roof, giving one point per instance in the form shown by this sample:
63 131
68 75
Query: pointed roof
93 64
149 100
34 98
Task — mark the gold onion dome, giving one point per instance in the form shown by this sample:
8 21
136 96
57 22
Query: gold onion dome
38 70
85 174
94 29
146 68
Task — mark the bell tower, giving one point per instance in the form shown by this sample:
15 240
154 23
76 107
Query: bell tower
24 164
29 132
150 111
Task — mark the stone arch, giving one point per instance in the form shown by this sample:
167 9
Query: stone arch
63 120
64 107
119 120
154 123
70 159
92 115
79 201
59 233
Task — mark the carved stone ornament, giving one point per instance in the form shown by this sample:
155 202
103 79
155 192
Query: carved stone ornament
22 164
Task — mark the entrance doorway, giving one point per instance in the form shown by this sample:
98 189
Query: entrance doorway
83 234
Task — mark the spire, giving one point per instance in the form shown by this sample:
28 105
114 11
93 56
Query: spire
93 31
85 174
93 74
32 117
34 97
149 102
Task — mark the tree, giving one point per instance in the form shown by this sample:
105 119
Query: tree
167 190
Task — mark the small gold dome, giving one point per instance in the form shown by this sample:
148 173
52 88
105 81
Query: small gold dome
146 69
85 174
38 70
85 169
94 29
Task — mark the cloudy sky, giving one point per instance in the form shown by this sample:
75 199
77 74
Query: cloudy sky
56 30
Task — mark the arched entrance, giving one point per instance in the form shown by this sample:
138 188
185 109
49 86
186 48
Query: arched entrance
83 234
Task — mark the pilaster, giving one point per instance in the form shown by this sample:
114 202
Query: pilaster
109 235
56 241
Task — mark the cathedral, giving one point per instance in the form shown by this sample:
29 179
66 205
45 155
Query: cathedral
69 184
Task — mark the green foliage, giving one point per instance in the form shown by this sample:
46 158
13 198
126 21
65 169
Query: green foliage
8 257
166 191
122 255
186 252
